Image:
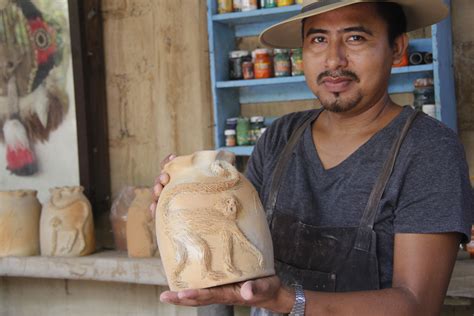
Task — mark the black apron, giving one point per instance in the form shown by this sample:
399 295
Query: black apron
328 259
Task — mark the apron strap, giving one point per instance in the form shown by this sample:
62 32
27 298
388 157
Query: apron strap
364 234
282 163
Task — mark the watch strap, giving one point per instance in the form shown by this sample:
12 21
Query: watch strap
300 301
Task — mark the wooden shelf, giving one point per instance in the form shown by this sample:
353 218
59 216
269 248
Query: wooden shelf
255 16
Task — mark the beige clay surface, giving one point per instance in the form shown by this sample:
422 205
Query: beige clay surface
66 225
211 227
141 237
19 223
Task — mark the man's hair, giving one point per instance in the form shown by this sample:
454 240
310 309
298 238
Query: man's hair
394 16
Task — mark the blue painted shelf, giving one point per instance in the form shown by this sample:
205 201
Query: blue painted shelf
224 29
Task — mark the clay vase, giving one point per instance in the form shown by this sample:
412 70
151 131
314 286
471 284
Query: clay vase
19 223
66 225
211 226
141 237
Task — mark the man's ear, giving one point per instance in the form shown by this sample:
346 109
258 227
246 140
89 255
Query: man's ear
400 45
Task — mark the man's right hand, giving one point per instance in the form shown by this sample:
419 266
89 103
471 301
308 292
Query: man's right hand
160 182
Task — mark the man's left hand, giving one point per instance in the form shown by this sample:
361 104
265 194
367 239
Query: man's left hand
265 292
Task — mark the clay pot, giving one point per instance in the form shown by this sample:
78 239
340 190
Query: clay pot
67 226
141 237
118 216
19 223
211 226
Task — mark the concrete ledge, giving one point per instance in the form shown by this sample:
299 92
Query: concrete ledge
115 266
462 279
111 266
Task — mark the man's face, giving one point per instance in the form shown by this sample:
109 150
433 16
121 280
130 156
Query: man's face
347 57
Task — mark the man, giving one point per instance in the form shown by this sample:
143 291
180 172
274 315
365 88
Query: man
377 197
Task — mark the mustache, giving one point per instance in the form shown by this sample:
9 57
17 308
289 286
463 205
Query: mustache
335 74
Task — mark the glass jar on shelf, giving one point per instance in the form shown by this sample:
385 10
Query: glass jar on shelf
243 128
297 62
262 64
236 59
230 138
281 62
249 5
256 124
224 6
423 93
284 3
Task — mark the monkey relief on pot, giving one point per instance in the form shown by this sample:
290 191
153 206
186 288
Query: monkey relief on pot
211 226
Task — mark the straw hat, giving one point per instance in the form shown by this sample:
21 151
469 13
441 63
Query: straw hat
287 34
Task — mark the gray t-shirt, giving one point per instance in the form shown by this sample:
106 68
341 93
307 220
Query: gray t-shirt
429 190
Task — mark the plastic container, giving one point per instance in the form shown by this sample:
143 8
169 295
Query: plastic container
236 59
282 62
230 138
263 64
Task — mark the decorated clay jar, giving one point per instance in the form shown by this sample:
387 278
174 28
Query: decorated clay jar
141 237
67 226
19 223
210 224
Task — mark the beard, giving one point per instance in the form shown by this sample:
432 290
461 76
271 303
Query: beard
339 104
336 103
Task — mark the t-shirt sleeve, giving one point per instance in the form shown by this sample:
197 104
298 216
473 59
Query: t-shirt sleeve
436 195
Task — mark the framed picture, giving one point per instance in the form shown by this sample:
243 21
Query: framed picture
53 129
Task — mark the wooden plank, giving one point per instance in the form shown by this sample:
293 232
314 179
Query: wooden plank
158 86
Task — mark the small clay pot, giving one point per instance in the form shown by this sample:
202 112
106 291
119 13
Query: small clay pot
19 223
141 237
67 226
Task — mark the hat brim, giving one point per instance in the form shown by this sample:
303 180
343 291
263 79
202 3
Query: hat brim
288 33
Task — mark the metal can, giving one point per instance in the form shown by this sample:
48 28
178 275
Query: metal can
247 70
297 62
248 5
236 58
270 4
284 3
281 62
263 64
224 6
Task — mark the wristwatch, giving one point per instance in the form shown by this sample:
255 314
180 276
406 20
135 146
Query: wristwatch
300 301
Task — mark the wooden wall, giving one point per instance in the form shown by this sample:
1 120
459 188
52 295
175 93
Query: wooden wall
158 86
